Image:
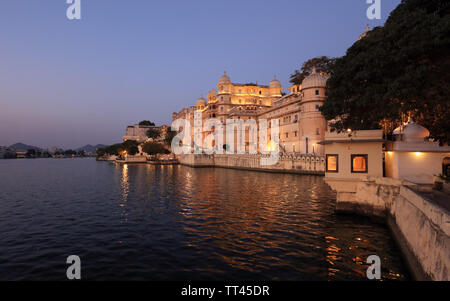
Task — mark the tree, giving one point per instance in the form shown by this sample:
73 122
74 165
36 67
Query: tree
31 153
169 137
10 155
146 123
396 71
153 148
70 153
129 146
100 152
153 133
322 64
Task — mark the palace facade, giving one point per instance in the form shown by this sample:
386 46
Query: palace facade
302 125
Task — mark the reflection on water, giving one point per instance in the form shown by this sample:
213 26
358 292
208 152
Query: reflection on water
173 222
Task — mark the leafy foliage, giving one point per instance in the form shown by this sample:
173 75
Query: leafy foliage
397 70
130 146
322 63
146 123
153 133
169 137
152 148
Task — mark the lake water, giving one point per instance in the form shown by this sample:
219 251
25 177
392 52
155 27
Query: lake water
141 222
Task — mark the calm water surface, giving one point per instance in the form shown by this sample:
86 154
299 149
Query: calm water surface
176 223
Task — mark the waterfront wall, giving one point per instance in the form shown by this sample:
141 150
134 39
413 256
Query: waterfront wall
288 163
421 228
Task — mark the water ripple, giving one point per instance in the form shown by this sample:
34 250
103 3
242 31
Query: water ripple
140 222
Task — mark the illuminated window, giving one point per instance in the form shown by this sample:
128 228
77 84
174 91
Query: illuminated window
332 164
359 163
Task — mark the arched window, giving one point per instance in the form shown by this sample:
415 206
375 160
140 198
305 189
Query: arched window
359 163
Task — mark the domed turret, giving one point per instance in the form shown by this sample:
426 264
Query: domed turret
275 83
225 79
201 101
212 93
315 80
412 132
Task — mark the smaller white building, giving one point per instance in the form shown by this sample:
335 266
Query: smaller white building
413 158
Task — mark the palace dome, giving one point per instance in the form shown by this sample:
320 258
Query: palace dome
212 92
275 83
315 80
201 101
224 79
412 132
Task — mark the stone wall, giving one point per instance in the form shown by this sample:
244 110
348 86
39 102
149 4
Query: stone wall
421 228
292 163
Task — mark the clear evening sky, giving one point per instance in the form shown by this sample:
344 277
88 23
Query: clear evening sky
69 83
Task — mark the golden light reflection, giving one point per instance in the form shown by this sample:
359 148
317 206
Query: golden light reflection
125 187
333 255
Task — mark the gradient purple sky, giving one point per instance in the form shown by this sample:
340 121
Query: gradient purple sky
70 83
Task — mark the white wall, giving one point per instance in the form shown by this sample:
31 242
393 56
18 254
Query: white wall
415 167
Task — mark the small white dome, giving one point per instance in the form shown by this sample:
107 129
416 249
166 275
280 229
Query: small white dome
412 132
224 79
275 83
315 80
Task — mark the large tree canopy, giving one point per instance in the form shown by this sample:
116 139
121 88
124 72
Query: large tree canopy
322 64
146 123
153 133
396 71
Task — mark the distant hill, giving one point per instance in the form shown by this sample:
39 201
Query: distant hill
24 147
90 148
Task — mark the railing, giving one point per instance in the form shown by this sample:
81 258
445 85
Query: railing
287 162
